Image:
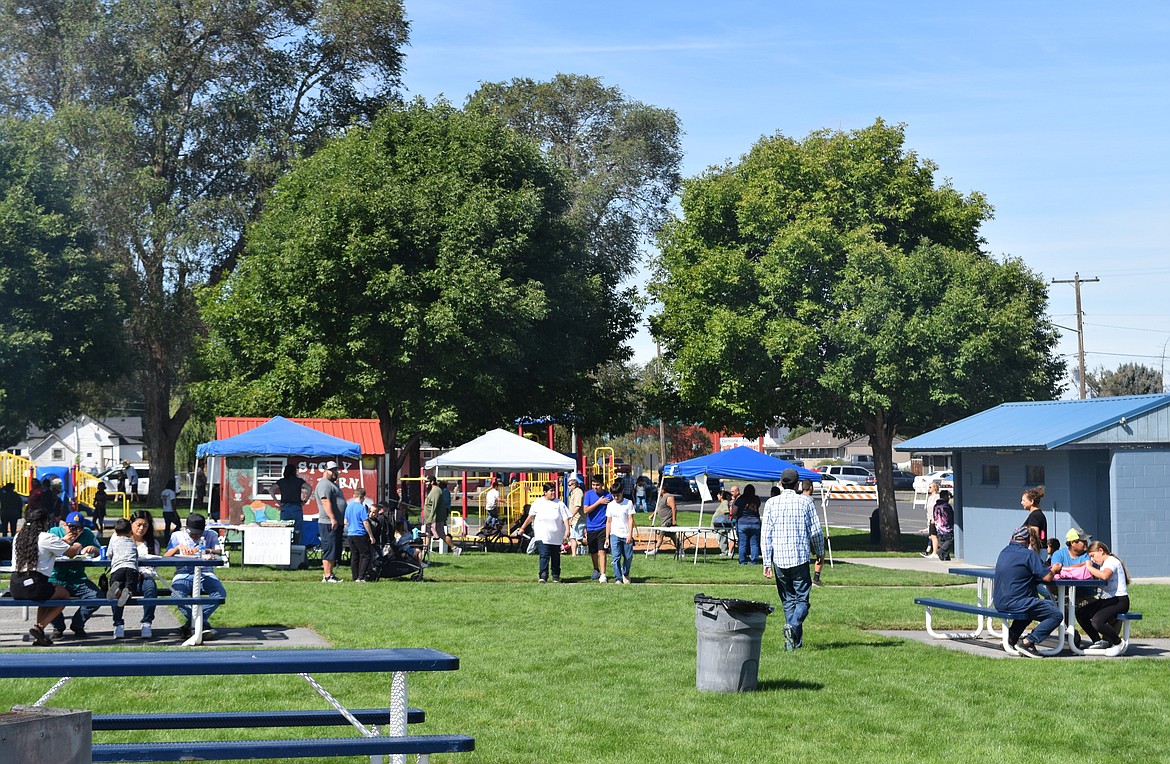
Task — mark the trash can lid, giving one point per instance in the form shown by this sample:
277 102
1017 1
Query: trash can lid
733 605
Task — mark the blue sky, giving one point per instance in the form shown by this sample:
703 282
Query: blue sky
1058 112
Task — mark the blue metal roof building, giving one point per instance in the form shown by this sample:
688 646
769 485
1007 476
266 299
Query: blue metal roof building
1104 463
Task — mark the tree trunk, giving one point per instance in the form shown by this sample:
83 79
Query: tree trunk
881 438
161 428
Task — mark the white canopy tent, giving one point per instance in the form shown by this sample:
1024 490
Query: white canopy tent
499 450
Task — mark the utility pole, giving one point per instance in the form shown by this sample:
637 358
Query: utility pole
661 424
1076 281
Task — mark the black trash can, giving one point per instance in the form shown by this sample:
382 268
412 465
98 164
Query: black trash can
875 528
729 635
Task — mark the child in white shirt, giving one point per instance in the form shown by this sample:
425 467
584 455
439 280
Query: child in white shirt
619 529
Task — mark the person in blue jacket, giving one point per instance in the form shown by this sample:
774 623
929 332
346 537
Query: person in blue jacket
1018 571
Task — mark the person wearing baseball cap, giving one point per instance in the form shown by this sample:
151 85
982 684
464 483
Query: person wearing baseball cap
330 521
575 499
73 577
1073 554
791 536
195 541
1018 571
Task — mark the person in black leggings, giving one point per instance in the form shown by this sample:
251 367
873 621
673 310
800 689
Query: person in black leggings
1096 617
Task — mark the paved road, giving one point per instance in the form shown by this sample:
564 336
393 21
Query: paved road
848 514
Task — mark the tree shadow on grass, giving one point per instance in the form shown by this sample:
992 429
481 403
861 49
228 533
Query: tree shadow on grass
848 645
771 685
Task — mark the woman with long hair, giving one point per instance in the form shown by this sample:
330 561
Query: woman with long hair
142 531
36 550
1096 616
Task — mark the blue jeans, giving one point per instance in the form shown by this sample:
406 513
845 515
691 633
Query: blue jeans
1044 611
296 513
793 585
639 505
623 555
181 587
82 590
749 542
550 554
147 588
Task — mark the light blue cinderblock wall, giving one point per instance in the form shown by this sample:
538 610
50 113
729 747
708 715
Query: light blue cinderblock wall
1140 526
1075 484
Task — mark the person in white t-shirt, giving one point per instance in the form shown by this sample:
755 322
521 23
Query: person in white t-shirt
491 499
549 518
1096 616
619 529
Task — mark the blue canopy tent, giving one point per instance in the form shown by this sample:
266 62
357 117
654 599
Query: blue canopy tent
740 462
277 437
280 437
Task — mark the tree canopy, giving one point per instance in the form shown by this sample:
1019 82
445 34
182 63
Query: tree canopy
622 156
61 310
421 271
830 281
179 116
1127 379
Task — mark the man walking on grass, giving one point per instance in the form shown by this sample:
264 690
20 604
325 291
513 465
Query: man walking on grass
789 530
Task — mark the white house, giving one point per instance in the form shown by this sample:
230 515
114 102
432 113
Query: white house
94 444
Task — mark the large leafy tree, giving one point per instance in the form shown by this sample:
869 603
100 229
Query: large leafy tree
831 281
179 116
61 309
1127 379
421 271
622 158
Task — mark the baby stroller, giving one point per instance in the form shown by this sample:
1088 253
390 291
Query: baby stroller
394 561
391 562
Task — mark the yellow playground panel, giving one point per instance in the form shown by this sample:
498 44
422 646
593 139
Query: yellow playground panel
605 464
87 487
15 469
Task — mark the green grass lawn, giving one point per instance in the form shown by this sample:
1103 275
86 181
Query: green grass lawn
606 673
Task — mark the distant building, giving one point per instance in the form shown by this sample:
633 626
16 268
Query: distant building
818 446
92 444
1104 464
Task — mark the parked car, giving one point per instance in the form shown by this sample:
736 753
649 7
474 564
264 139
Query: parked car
945 477
680 487
114 475
903 480
828 481
849 472
714 486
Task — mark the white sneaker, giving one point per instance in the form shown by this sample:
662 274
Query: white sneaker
602 578
146 632
458 551
651 552
119 632
1114 651
932 556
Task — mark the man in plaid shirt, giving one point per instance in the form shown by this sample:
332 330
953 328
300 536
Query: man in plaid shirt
790 528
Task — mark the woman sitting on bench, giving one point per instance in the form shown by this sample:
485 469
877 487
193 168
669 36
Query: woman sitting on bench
36 550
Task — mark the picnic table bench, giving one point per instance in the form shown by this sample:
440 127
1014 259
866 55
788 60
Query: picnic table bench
393 741
195 601
987 612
